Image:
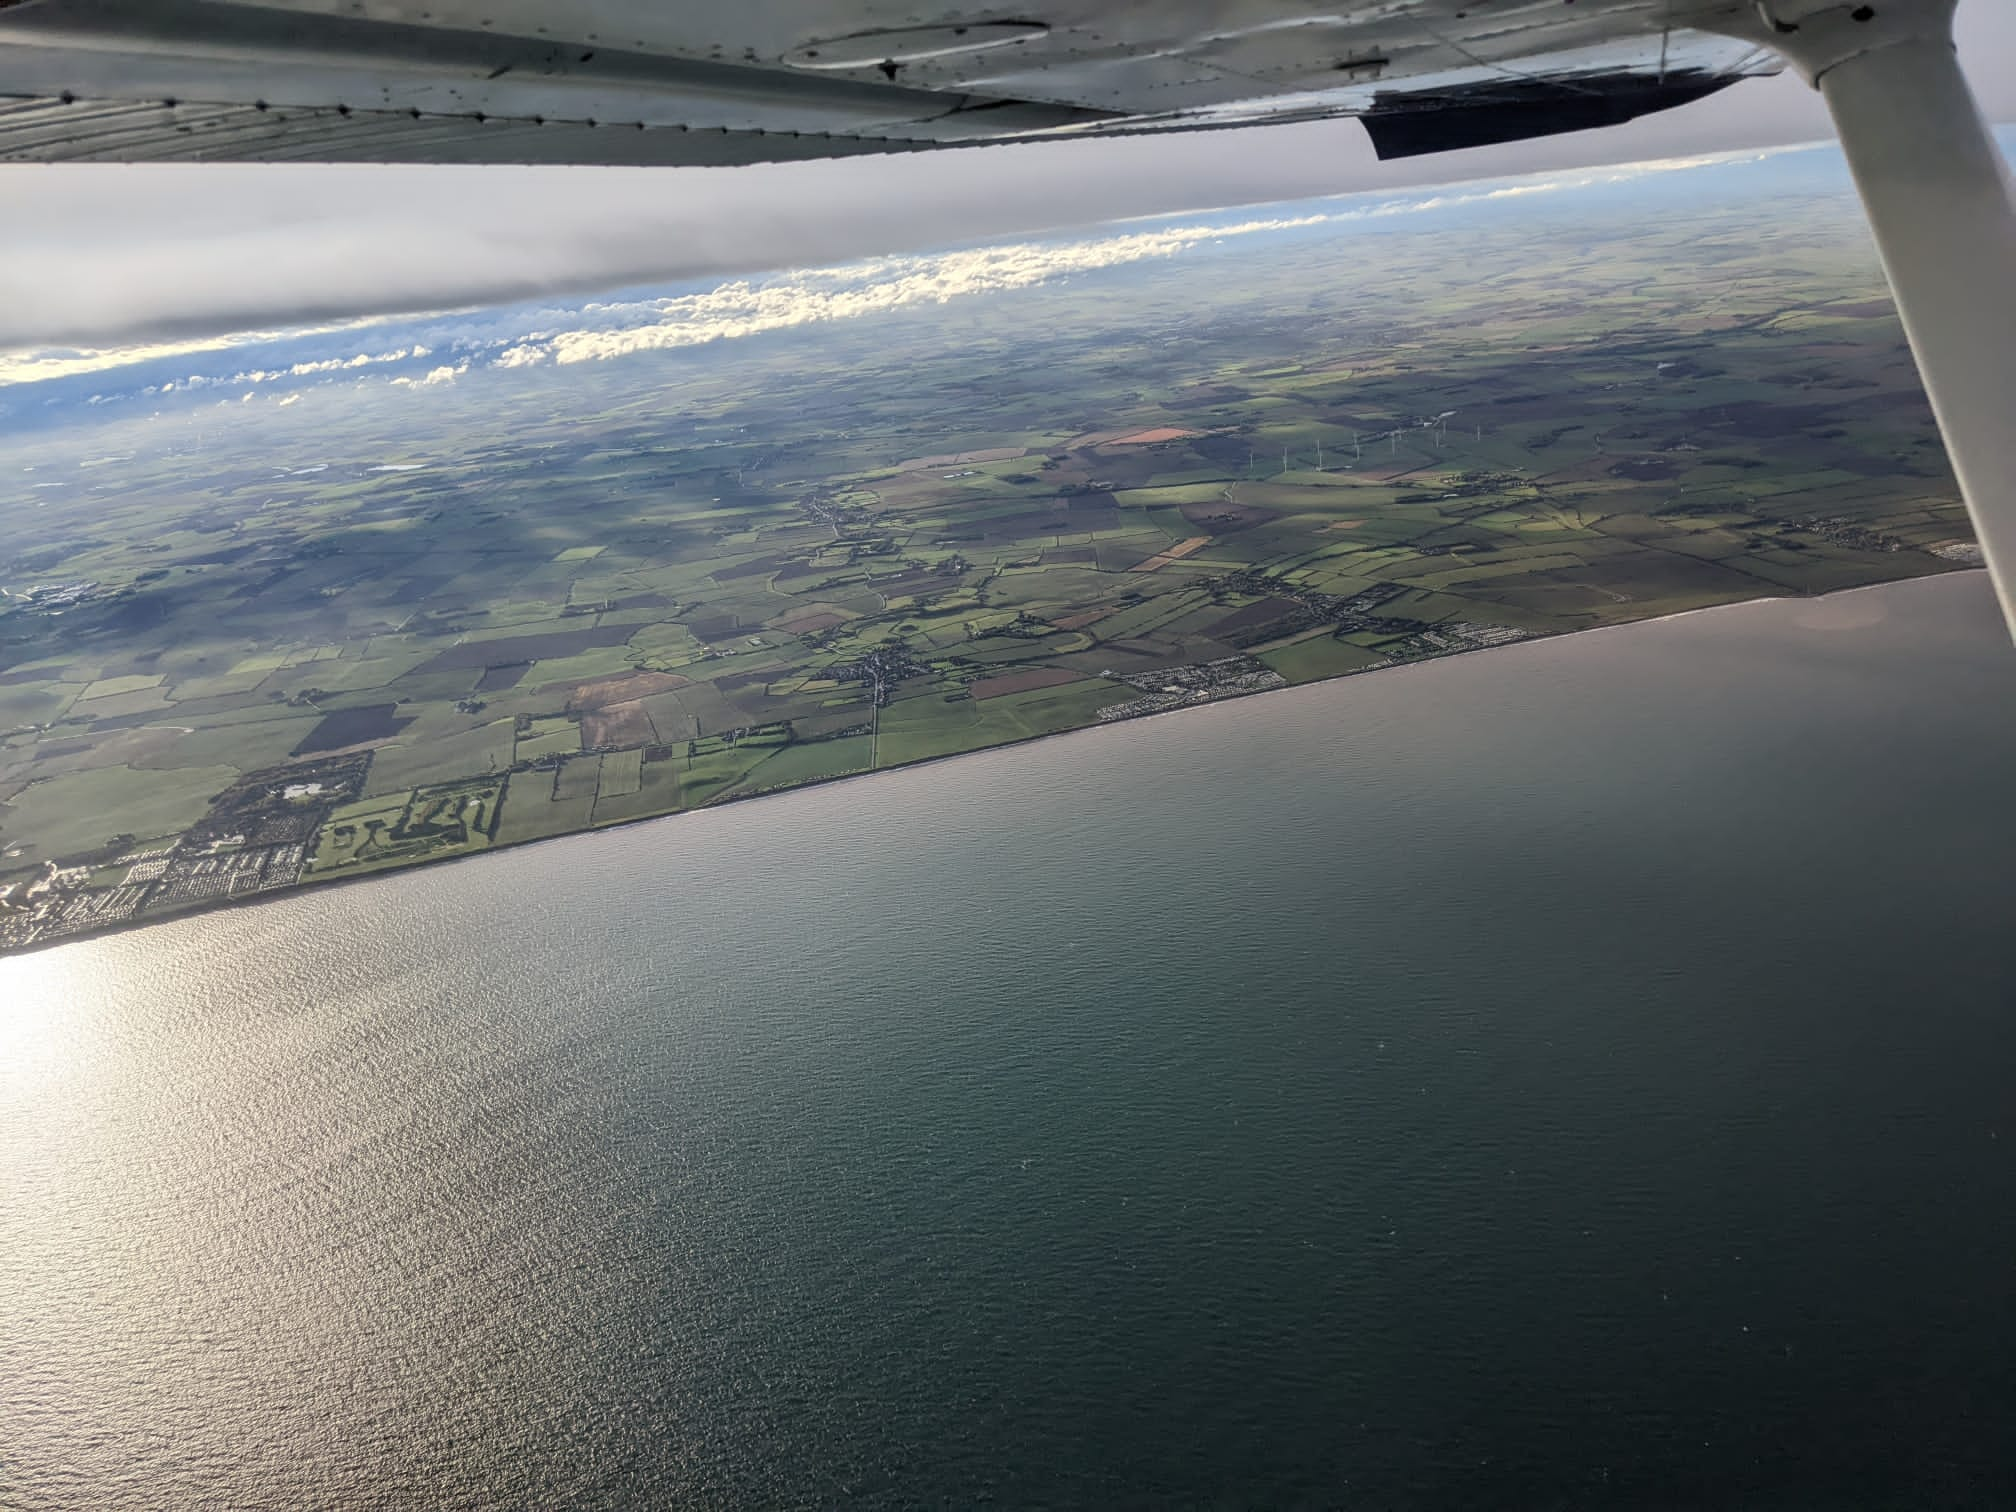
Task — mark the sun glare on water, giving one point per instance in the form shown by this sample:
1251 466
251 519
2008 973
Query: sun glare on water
42 998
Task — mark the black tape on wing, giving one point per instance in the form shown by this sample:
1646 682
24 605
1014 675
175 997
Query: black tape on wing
1514 110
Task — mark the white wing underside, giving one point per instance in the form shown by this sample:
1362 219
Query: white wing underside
665 82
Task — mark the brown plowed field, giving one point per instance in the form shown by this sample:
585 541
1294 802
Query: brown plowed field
620 725
1175 553
606 691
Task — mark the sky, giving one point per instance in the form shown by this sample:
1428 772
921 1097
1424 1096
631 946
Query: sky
102 256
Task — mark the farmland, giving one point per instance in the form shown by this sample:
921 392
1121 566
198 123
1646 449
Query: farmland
247 650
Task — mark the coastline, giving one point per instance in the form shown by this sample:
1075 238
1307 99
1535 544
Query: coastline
308 883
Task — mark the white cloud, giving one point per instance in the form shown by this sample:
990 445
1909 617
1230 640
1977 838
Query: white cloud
37 364
880 285
435 377
521 356
348 364
744 309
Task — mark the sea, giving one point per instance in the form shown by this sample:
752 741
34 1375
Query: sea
1570 1075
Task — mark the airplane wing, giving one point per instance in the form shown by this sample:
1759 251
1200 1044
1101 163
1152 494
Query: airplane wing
663 82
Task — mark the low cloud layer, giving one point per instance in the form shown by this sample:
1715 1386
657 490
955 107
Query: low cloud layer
96 255
743 308
519 336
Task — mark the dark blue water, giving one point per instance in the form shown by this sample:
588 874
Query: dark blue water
1569 1076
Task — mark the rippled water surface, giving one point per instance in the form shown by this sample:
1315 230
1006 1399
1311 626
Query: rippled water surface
1573 1075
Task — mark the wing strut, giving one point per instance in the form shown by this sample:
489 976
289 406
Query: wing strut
1941 202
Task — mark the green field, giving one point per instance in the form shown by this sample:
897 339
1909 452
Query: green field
248 655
